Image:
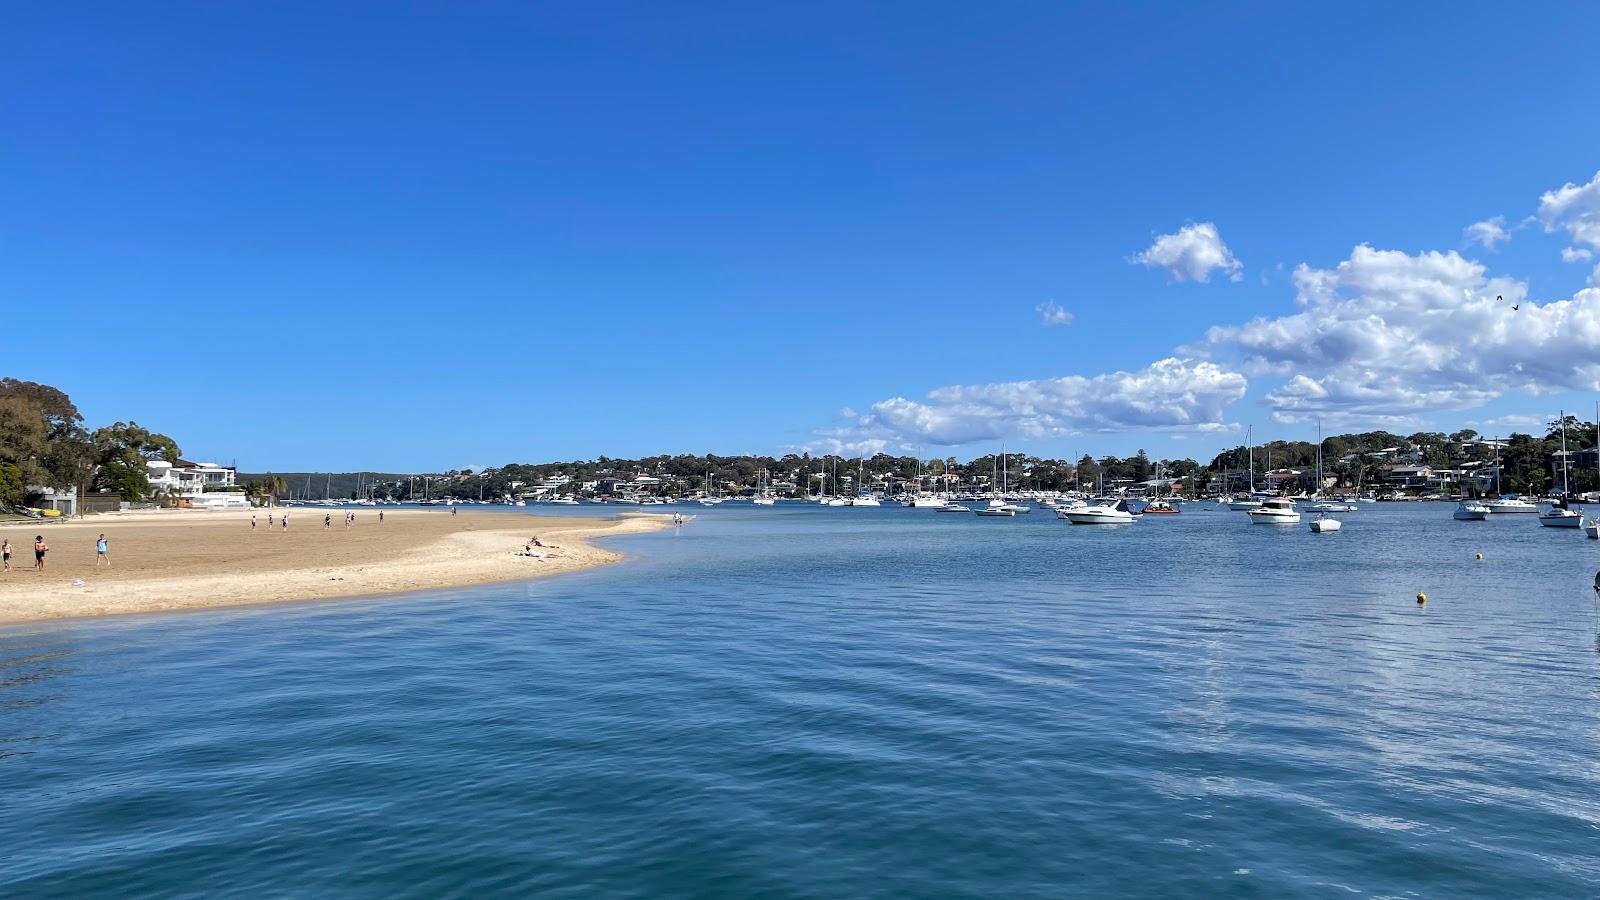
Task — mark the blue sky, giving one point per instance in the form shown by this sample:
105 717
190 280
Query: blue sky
403 238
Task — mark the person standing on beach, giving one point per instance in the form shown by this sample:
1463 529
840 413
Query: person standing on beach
285 521
102 551
39 550
5 554
327 521
452 510
252 521
380 517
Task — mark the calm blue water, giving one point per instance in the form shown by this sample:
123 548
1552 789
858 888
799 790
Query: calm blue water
798 702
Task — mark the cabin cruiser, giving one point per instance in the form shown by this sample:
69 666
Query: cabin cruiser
1075 505
1329 506
1244 504
865 500
1504 505
1012 509
1102 513
1276 511
1471 511
1561 517
952 507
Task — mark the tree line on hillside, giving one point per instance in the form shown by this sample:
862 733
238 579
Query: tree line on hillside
45 444
1351 460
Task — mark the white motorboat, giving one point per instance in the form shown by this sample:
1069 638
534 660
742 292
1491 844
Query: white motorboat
1592 529
1505 505
1015 509
1324 523
564 501
764 501
1276 511
865 501
1070 506
995 511
1472 511
1099 514
1243 504
1327 506
836 501
1561 518
928 502
953 507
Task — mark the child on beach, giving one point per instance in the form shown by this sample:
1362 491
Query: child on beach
39 550
102 551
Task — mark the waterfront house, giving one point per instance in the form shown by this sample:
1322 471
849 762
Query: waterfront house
187 479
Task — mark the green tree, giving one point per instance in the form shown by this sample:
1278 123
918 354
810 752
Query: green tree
11 484
128 481
24 438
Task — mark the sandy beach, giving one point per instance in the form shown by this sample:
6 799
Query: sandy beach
177 559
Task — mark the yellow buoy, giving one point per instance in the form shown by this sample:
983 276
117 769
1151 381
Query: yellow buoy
1421 598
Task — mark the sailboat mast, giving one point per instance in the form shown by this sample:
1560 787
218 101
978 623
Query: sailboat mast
1249 439
1564 454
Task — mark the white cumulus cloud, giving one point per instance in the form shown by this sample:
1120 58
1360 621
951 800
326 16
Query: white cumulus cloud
1386 334
1171 394
1191 254
1576 254
1051 314
1574 208
1488 232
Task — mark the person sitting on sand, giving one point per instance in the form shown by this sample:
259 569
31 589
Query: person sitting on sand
102 551
39 550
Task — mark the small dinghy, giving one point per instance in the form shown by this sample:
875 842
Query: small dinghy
1324 523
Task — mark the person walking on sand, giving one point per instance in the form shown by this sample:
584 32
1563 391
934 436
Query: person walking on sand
327 521
285 521
452 510
380 517
252 521
39 550
102 552
5 555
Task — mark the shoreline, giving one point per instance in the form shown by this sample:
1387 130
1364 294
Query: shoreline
172 560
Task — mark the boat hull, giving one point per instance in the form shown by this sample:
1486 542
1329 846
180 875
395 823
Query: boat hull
1099 518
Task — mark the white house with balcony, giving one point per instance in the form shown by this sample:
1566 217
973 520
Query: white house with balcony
188 479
